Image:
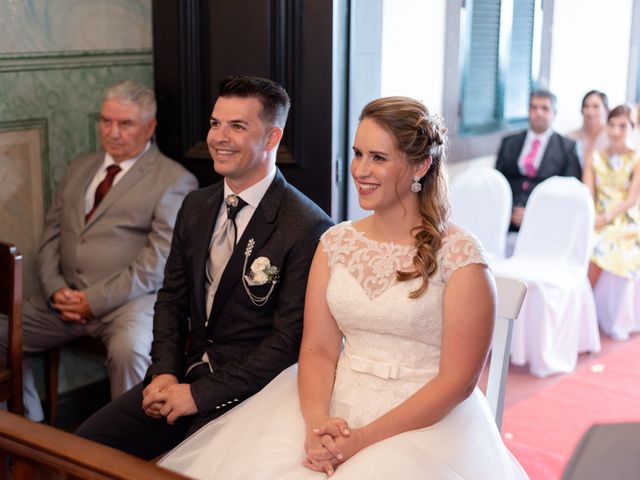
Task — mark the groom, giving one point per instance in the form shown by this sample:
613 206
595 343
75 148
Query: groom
227 320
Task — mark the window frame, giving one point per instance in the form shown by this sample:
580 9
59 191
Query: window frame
466 145
633 80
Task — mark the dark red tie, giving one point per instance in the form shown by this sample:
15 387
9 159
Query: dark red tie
103 188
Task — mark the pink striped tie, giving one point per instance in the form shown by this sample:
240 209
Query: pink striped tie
529 160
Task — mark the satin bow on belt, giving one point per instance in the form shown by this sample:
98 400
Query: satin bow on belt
387 370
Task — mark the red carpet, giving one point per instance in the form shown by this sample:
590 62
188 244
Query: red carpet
543 430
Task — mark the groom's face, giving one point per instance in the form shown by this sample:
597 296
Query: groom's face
239 141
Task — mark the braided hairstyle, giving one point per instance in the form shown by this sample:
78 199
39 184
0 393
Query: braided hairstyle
419 136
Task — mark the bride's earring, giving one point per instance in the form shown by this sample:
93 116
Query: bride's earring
416 186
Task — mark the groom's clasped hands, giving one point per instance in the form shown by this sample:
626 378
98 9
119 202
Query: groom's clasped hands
165 397
330 443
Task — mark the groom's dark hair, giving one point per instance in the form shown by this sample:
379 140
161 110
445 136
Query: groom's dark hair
274 98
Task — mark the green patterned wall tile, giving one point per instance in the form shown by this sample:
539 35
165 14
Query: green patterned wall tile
92 122
57 25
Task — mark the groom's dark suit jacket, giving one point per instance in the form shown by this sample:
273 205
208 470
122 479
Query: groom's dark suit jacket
247 345
559 158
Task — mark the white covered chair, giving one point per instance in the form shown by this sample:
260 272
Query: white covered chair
481 203
558 317
618 305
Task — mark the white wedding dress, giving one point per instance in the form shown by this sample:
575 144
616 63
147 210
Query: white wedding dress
392 348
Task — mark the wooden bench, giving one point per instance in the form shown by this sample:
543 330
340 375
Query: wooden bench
33 451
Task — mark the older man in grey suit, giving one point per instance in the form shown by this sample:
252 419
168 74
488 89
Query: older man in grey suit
105 242
227 319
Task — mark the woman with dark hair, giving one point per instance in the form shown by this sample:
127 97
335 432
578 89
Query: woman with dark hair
399 313
592 135
613 176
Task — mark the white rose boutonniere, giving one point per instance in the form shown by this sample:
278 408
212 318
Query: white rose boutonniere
260 273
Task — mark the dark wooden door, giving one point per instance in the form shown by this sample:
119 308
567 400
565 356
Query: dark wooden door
198 42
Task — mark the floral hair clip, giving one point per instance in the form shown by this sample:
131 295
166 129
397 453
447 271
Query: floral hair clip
260 273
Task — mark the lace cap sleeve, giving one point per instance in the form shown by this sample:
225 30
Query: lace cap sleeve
459 250
336 243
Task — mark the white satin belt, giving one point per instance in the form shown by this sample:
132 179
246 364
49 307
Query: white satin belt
387 370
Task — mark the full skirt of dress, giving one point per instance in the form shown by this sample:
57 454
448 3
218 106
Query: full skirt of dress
263 438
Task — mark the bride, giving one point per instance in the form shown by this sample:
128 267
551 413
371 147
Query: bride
398 319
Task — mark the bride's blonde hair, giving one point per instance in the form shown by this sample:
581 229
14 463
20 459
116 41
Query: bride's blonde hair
419 136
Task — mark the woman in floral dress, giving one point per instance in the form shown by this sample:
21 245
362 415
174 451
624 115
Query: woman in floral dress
613 176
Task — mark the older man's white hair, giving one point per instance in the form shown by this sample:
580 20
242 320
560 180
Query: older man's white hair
133 92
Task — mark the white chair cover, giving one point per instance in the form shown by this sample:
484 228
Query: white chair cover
558 318
618 305
481 203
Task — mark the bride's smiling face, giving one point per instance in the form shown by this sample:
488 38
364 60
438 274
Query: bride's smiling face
381 174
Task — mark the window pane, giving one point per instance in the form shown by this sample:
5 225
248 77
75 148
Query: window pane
480 83
517 74
638 90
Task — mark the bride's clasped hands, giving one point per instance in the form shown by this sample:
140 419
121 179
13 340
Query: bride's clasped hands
330 442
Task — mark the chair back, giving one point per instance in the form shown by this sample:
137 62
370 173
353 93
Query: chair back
511 294
481 203
11 305
558 223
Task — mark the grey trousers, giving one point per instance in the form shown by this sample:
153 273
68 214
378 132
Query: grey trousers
126 331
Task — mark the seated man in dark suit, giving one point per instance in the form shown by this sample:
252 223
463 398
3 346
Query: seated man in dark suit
229 315
530 157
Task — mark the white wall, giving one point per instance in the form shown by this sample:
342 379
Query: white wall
589 49
413 39
412 60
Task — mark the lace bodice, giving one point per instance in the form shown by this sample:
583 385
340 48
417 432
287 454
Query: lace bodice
374 264
388 336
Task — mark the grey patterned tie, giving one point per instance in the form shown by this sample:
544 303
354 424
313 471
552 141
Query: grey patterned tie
224 239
